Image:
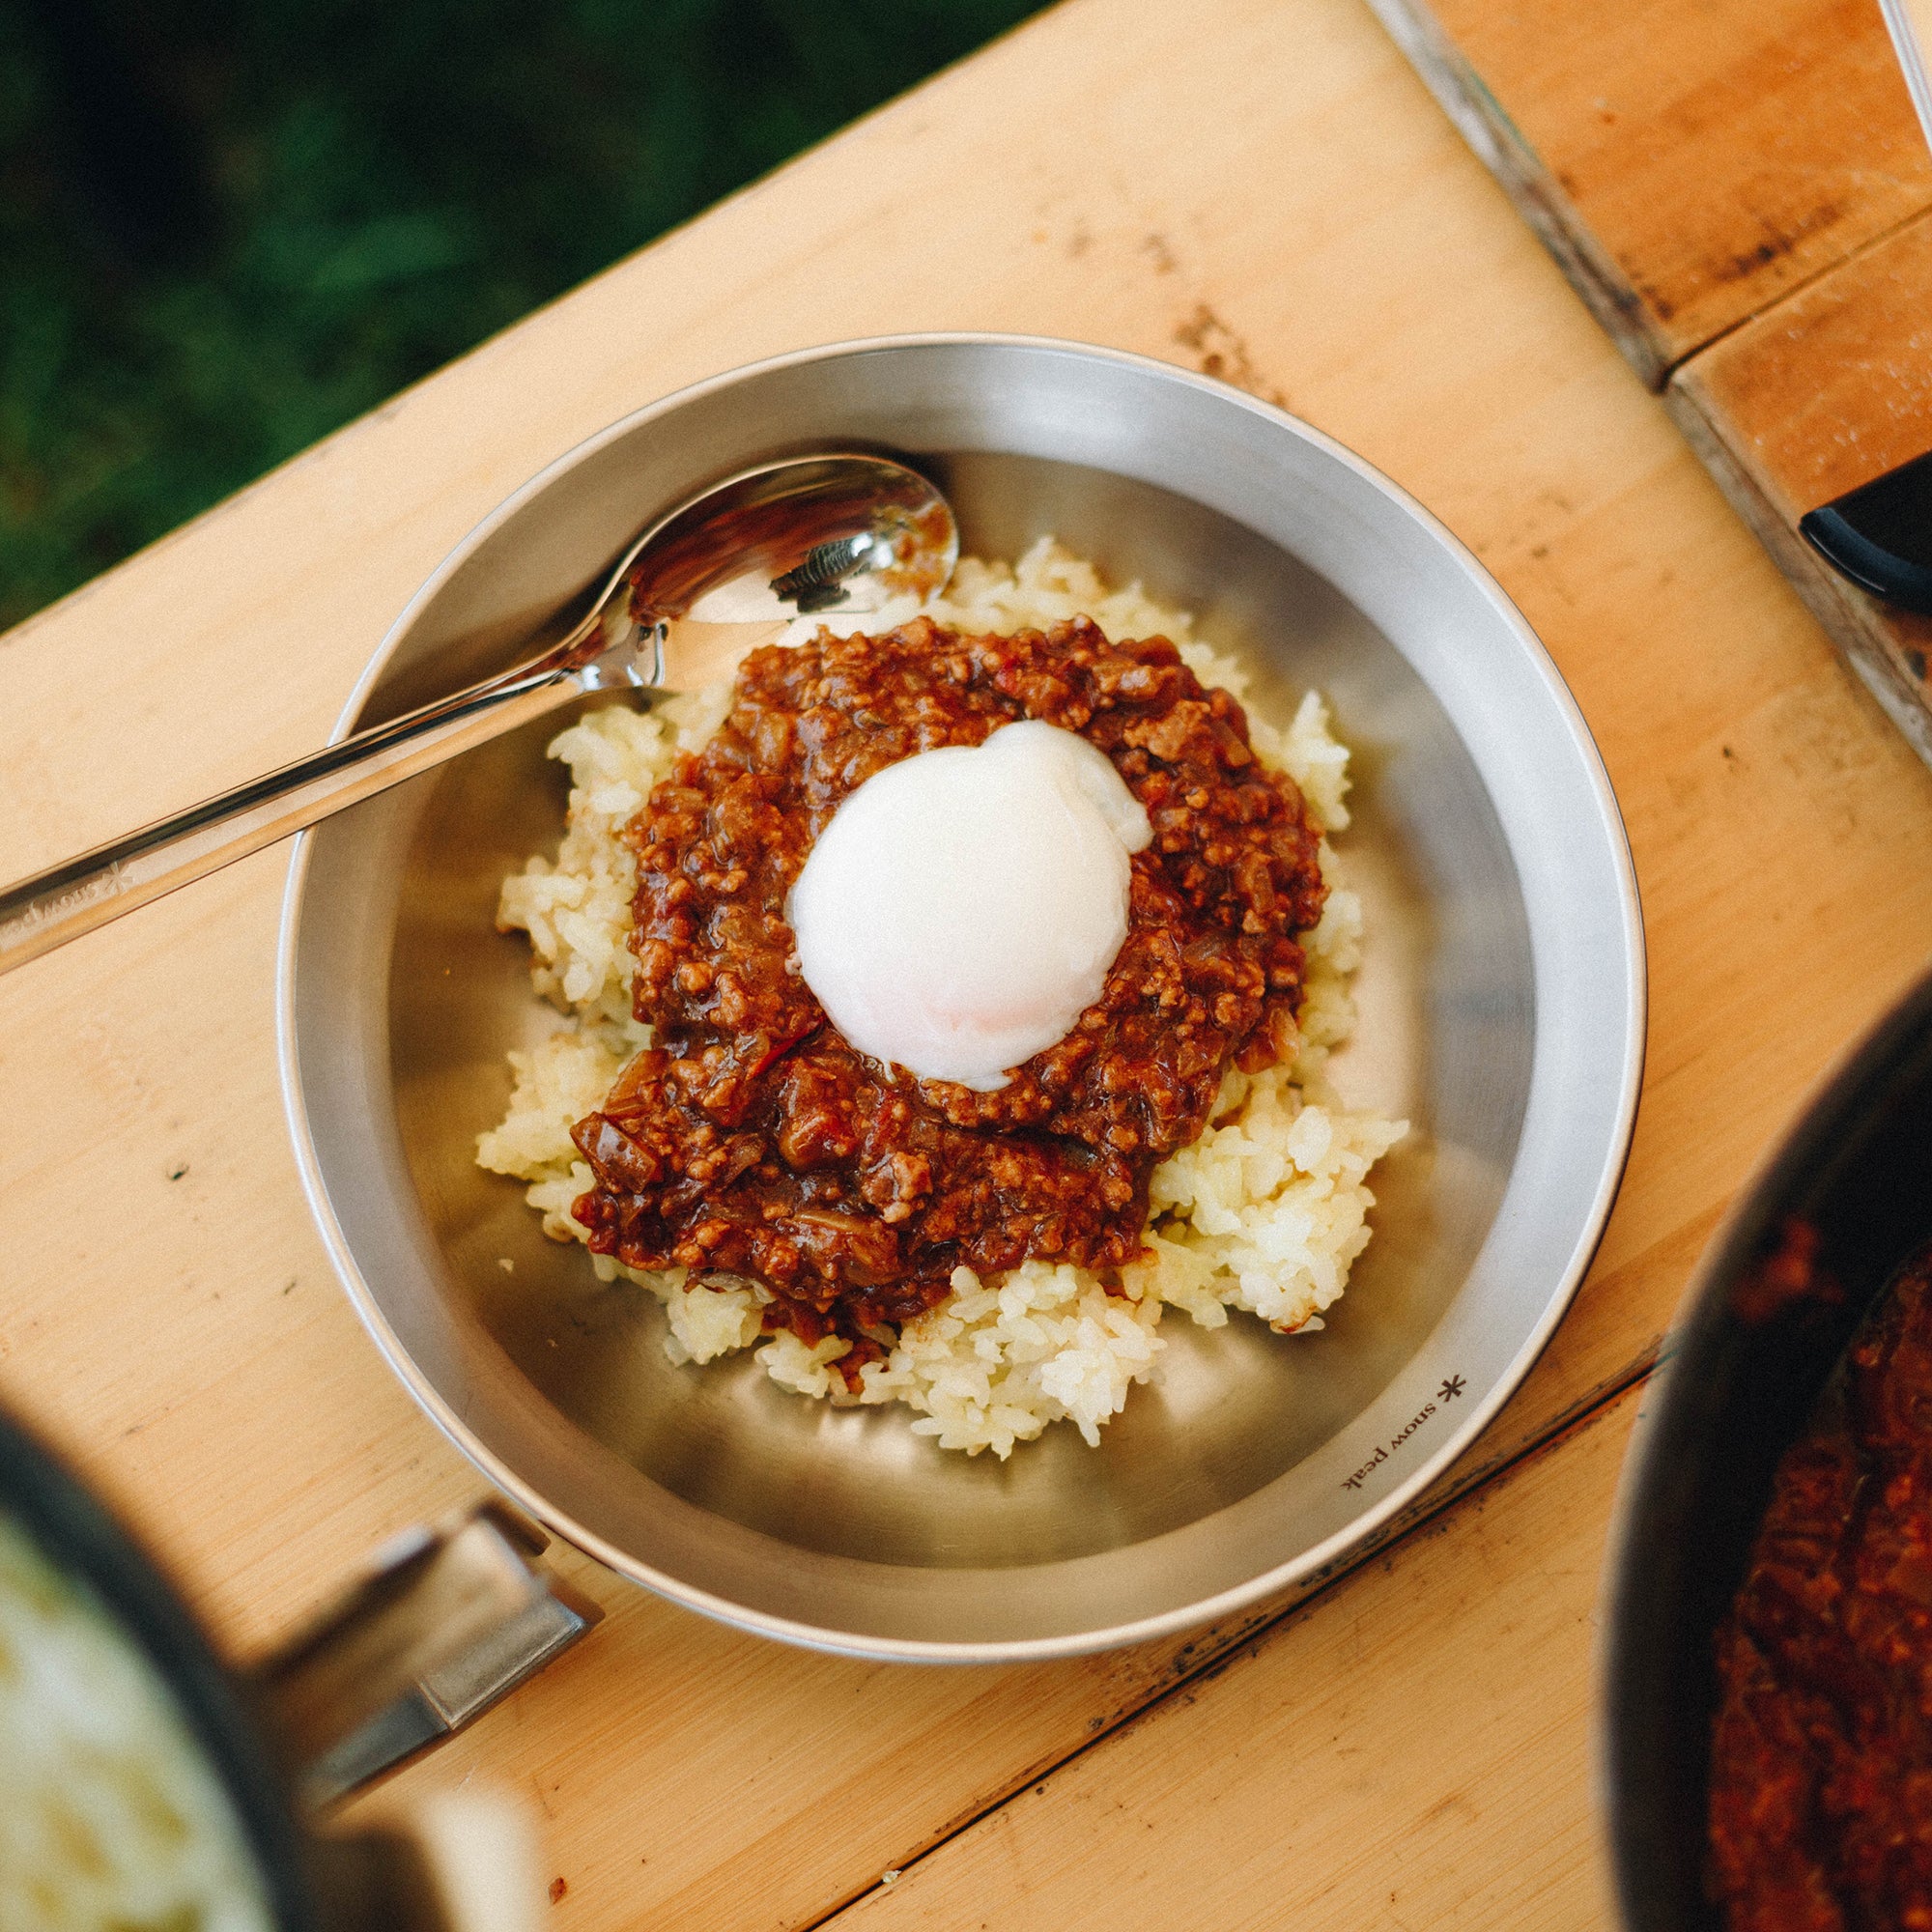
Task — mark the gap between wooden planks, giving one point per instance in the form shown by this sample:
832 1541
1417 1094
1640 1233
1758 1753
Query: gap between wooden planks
1739 193
776 1862
1302 1778
1320 235
1808 401
1687 167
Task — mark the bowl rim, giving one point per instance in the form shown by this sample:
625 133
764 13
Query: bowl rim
1363 1531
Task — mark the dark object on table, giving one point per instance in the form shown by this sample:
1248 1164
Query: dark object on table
447 1620
1736 1394
1880 535
1819 1752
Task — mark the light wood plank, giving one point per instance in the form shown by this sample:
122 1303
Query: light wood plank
1414 1751
1320 235
1832 387
1821 395
1687 167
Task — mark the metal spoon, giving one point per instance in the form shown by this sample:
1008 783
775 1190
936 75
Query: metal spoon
786 539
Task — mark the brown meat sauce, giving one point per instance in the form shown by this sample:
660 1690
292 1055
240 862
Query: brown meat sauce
750 1139
1821 1760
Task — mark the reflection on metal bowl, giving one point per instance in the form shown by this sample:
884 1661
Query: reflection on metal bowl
1503 1012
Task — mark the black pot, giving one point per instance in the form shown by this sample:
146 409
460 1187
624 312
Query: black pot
80 1540
445 1624
1736 1390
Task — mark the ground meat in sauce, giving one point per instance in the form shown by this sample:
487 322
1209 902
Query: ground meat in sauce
749 1139
1821 1760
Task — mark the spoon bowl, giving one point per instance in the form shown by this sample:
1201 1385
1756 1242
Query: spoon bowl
767 544
786 539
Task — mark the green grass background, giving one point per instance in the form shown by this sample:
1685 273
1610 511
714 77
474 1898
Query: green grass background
227 228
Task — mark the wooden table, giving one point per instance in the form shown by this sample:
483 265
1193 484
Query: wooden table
1258 187
1740 193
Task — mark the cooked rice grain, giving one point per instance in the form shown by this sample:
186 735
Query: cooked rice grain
1265 1213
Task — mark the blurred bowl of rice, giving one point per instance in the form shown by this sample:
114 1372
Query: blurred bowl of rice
1223 1422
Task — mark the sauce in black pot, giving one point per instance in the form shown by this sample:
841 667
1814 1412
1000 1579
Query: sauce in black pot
1821 1760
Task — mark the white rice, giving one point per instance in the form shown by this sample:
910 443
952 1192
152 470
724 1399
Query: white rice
1266 1212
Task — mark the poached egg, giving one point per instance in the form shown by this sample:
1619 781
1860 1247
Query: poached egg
962 908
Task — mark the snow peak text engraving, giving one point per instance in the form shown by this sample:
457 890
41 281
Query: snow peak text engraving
1451 1387
41 911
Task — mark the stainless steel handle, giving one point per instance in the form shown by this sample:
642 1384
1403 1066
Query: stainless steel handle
449 1620
679 608
460 1862
613 650
66 900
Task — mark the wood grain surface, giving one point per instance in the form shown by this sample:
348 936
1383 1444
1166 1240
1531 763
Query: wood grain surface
1302 1781
1322 237
1826 391
1739 191
1688 165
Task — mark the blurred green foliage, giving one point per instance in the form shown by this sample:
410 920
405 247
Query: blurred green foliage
227 228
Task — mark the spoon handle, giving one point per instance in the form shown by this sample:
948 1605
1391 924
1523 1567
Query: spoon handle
65 901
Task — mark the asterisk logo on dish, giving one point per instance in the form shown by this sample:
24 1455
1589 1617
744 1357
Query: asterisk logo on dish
1450 1389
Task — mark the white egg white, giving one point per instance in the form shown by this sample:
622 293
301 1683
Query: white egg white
963 906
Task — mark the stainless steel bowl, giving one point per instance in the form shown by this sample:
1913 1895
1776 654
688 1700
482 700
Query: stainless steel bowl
1503 1012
